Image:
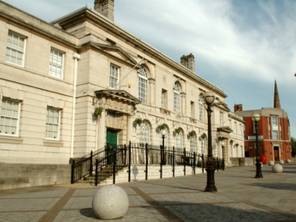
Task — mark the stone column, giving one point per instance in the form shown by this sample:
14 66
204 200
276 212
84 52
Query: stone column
183 103
151 91
129 129
102 130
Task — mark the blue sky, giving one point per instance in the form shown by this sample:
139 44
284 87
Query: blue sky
241 46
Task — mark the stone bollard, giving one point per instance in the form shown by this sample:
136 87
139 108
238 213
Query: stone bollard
288 161
271 163
110 202
277 168
282 162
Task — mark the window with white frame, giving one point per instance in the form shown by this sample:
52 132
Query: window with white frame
144 133
56 63
179 141
143 85
9 117
221 118
15 50
201 108
274 128
114 77
164 99
176 97
203 146
192 107
192 144
53 123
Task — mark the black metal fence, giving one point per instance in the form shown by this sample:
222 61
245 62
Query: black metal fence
112 158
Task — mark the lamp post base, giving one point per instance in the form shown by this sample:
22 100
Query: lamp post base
258 170
210 178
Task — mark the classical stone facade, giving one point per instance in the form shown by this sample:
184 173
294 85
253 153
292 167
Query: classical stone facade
76 81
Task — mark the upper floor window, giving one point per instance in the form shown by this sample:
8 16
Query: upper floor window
56 63
143 85
234 127
114 77
200 101
230 124
221 118
144 133
274 121
15 50
164 99
192 107
176 97
53 122
9 117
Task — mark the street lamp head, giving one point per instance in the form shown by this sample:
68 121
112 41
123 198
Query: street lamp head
163 132
256 117
209 97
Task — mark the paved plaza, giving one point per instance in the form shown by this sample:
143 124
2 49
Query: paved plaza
240 197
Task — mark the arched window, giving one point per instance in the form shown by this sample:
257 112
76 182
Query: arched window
179 141
144 133
176 97
143 85
192 144
203 146
200 102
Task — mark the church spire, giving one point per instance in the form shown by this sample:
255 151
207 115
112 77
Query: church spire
276 101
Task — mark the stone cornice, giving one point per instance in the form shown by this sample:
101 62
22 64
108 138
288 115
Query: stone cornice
18 17
94 17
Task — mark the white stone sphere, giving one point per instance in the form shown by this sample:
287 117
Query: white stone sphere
271 163
282 162
277 168
110 202
288 161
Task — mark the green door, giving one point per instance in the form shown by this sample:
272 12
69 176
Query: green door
111 138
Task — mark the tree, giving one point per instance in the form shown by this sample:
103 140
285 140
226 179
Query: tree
293 145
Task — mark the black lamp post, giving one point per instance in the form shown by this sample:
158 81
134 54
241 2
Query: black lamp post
256 118
163 133
209 98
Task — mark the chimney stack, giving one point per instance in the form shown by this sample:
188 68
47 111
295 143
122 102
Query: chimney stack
106 8
188 62
238 107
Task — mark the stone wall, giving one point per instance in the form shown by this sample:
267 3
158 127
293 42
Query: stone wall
28 175
241 161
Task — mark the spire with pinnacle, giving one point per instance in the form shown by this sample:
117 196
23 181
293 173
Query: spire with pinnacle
276 101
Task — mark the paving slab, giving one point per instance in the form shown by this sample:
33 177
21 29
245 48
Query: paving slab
240 197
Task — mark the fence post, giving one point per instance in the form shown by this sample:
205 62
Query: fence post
96 175
203 163
72 171
194 159
107 151
184 156
114 164
160 162
129 161
124 154
91 163
146 171
173 161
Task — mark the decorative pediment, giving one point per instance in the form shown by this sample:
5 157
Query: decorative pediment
225 129
120 95
222 105
117 52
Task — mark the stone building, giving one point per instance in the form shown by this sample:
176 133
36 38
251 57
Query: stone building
274 131
69 86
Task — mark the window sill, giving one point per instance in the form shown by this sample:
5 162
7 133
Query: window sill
10 139
53 143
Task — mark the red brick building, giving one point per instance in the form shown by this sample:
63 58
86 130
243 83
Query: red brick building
274 131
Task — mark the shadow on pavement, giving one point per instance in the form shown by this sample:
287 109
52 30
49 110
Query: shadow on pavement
276 186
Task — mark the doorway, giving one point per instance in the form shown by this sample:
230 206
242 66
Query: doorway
276 153
111 139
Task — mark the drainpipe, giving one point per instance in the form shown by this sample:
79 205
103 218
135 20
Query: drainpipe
76 57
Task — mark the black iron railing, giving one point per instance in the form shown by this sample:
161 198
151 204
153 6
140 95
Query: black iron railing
112 158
